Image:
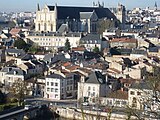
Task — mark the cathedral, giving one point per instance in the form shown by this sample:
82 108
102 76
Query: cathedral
65 18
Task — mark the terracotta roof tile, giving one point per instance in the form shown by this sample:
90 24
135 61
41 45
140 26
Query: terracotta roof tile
78 48
114 70
66 64
127 40
15 31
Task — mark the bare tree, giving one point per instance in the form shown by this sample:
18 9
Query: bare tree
149 99
19 88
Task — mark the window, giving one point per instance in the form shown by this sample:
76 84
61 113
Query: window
93 94
93 88
89 88
48 89
132 92
48 83
89 93
138 93
56 84
134 102
52 89
51 27
62 90
70 87
52 84
56 90
67 82
67 88
45 26
56 95
39 27
124 102
117 102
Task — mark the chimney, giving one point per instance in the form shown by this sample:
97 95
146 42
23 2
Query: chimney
122 89
15 72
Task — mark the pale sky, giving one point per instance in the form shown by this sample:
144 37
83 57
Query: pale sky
30 5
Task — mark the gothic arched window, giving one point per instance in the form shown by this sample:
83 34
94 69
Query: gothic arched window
39 27
45 27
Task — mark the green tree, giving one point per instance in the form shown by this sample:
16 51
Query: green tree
67 45
2 97
20 43
33 48
96 49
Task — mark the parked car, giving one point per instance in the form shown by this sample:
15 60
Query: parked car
85 104
107 110
27 107
96 108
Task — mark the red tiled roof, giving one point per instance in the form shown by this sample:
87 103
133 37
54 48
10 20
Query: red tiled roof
114 70
125 40
74 67
66 64
15 31
78 48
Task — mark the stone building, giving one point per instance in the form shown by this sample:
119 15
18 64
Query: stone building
78 19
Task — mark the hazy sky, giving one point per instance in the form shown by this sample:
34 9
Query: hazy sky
30 5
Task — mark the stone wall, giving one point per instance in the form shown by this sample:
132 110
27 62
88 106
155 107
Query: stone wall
76 114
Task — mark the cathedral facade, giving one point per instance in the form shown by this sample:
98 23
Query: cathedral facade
75 19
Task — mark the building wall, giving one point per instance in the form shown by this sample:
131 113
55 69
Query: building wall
116 65
136 73
2 77
89 92
137 97
54 41
53 91
114 102
10 79
124 44
46 20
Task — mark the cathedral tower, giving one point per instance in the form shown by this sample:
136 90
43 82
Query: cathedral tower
121 15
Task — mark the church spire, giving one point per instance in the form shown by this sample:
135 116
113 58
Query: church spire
38 7
155 6
55 10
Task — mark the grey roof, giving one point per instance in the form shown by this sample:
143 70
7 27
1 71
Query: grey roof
59 34
29 65
74 12
63 28
96 78
142 85
154 49
138 51
48 57
55 76
7 34
27 57
6 69
16 51
16 71
91 37
59 57
36 62
85 15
